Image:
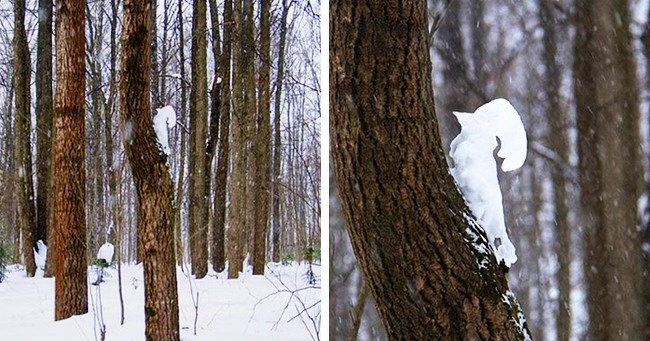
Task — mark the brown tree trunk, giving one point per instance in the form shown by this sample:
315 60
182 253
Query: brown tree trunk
409 225
558 142
178 234
277 142
151 176
198 134
263 143
25 185
44 108
69 218
221 177
237 222
608 134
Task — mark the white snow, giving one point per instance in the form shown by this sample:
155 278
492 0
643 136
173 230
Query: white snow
164 119
106 252
40 255
475 168
251 308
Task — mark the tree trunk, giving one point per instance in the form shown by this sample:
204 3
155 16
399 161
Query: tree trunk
608 134
221 177
25 186
178 234
151 176
44 108
263 142
277 142
408 222
237 222
69 219
198 134
558 142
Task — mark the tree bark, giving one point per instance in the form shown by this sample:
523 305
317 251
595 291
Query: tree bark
221 177
69 219
25 186
608 134
151 176
263 142
410 227
237 222
558 142
198 134
44 109
277 142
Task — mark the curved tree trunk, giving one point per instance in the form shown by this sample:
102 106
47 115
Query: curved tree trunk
69 176
151 176
409 225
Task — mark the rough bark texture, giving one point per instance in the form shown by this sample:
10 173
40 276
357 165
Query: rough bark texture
69 176
44 109
409 225
221 177
198 134
608 134
25 185
277 143
237 222
263 142
558 142
151 177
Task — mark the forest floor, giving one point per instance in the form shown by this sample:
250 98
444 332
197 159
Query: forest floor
280 305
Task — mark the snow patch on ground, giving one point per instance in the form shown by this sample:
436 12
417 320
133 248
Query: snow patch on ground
476 171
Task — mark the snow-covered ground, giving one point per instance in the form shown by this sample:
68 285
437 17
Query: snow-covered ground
249 308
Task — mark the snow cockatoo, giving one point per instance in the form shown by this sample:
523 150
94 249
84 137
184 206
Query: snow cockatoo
475 167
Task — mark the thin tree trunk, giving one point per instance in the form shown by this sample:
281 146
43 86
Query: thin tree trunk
277 142
44 109
178 234
263 142
69 220
198 134
25 186
151 177
408 222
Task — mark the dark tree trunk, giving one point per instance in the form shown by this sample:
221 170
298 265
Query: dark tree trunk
263 142
69 218
198 134
221 177
25 185
277 142
44 109
409 225
608 134
151 177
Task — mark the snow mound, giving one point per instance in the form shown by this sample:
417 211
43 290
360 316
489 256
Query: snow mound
475 167
106 252
164 119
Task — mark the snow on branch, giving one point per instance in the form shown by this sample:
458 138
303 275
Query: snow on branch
475 167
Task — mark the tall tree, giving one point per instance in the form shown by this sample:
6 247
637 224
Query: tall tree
44 109
407 220
607 107
25 185
277 141
237 223
263 142
198 134
69 218
218 225
151 176
558 141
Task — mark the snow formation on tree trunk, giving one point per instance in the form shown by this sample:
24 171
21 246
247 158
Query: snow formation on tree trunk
475 166
164 119
106 252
